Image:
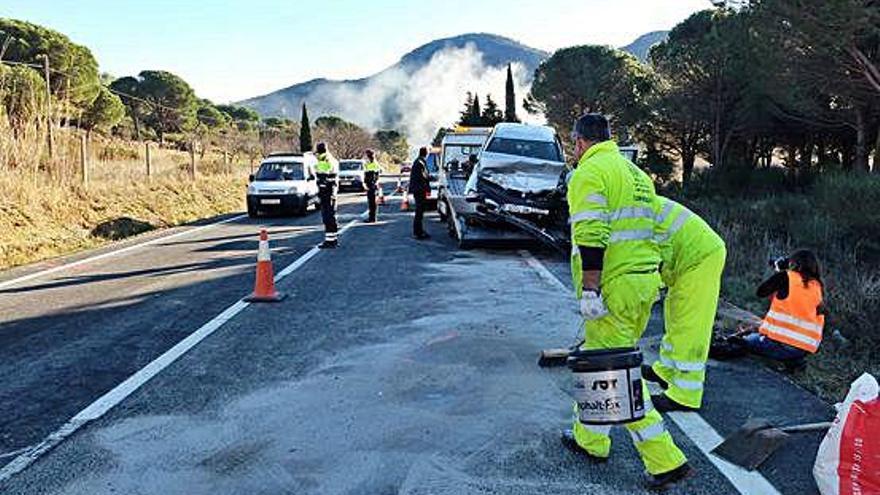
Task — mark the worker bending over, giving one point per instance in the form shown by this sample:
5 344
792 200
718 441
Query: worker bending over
693 259
327 170
371 178
614 270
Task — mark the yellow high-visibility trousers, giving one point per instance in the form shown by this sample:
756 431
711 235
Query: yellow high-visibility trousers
629 299
689 315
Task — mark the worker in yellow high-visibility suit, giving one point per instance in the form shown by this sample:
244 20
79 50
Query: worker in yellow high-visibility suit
693 260
614 269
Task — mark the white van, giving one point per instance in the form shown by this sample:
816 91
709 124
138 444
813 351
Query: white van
285 182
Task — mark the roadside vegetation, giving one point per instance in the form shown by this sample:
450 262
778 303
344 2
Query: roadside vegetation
765 121
73 148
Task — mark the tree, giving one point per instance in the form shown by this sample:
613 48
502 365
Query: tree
491 113
393 143
343 138
210 117
105 112
244 118
22 96
305 132
510 98
476 117
171 102
468 111
831 49
75 76
588 78
128 88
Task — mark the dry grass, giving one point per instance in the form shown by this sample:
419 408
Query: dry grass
46 210
839 218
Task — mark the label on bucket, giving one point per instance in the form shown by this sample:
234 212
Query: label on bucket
609 397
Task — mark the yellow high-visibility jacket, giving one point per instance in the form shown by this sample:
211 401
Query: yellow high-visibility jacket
684 238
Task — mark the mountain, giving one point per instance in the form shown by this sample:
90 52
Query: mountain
324 96
642 45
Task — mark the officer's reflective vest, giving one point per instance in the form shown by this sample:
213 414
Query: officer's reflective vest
327 169
794 320
611 206
372 167
371 174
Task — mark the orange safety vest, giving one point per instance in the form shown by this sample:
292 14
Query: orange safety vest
794 320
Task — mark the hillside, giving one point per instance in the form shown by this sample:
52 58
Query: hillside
642 45
472 56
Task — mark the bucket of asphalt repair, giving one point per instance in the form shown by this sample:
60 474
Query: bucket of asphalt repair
608 385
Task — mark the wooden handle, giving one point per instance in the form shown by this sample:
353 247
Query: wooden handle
807 427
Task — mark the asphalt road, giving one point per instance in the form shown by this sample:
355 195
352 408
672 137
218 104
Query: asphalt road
394 366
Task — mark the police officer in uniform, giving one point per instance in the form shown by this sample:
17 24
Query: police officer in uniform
371 178
327 170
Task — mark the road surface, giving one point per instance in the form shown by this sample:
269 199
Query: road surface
394 366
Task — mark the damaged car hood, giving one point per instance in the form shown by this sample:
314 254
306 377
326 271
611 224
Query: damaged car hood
518 173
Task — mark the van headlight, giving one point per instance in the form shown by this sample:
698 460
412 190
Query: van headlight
292 190
252 189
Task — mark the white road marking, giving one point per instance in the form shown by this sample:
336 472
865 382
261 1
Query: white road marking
110 254
111 399
693 425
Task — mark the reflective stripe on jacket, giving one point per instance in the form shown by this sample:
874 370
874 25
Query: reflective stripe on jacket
684 238
795 320
611 204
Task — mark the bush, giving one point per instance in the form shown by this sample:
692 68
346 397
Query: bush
836 215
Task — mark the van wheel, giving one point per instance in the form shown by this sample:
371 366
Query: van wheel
252 211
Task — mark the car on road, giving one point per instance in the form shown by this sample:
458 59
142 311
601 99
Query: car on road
351 175
284 183
521 169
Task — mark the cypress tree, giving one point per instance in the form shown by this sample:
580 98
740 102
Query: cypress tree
510 99
476 113
468 109
305 132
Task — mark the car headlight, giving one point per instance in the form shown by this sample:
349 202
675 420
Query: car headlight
252 189
291 190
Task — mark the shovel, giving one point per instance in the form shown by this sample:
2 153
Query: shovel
756 440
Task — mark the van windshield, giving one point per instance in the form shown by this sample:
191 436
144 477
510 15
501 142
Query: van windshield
542 150
280 171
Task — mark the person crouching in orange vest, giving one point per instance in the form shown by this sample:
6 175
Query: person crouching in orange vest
792 328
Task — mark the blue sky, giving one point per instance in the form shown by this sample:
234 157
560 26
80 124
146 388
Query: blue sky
233 49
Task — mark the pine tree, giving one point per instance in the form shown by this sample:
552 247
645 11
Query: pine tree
305 132
491 113
476 117
465 115
510 98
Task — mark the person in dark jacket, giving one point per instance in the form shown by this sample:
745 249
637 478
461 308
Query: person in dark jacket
419 187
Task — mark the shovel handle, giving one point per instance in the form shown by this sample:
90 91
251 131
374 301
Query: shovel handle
807 427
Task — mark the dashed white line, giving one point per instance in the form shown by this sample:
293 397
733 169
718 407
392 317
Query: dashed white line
111 399
693 425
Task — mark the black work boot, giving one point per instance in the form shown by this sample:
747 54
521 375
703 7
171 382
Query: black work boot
571 444
649 374
663 481
663 403
328 245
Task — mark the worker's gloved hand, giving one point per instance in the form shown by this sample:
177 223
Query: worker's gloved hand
592 305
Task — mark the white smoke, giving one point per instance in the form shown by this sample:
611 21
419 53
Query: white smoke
433 96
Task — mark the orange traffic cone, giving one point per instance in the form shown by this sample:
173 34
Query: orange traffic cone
381 199
399 186
264 286
404 203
